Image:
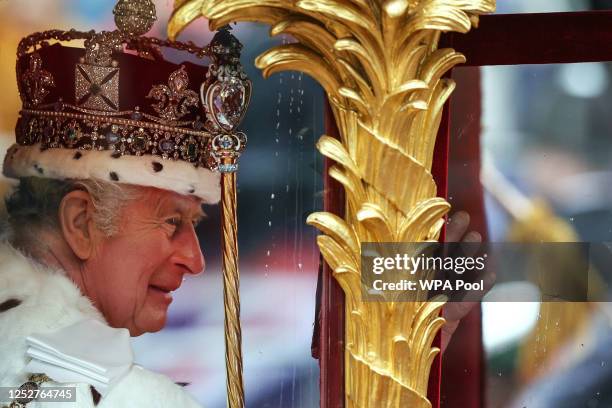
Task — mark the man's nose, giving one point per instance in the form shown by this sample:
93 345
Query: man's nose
188 253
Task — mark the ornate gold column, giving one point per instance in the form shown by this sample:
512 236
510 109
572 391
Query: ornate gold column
379 62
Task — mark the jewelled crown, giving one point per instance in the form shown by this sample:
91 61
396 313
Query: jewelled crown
119 94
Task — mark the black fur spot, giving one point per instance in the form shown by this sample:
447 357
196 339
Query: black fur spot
157 167
113 176
95 395
77 156
9 304
192 190
39 169
43 148
116 155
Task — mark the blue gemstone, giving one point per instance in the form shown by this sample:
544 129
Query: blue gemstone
111 137
228 168
166 146
227 143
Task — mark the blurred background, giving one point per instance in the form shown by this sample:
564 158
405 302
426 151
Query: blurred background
279 184
546 141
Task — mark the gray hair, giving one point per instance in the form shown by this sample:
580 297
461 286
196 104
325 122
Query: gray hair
34 206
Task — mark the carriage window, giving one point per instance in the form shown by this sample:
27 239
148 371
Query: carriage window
546 138
550 6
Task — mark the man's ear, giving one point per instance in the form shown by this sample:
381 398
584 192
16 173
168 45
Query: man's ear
75 217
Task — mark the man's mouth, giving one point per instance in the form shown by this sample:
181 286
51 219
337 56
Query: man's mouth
165 290
161 288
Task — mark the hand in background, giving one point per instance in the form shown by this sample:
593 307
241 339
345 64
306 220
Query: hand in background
458 231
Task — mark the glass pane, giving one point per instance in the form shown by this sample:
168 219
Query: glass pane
551 6
546 142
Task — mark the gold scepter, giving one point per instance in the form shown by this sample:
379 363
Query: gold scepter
227 86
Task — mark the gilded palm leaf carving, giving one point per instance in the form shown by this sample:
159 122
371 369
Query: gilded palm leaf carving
379 62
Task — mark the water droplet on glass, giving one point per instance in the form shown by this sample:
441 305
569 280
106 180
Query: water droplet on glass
272 196
268 253
603 363
571 219
269 223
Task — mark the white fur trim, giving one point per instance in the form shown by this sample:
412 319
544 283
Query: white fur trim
49 301
146 170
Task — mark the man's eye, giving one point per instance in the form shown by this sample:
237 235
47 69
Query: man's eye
174 221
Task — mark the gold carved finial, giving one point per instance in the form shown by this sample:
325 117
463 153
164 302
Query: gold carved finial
379 62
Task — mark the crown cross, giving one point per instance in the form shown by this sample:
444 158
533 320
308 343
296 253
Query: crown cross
97 87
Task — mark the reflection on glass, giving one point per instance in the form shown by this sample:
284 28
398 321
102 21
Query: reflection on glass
548 6
546 129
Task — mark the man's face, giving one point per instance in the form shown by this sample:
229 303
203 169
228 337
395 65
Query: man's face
131 275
